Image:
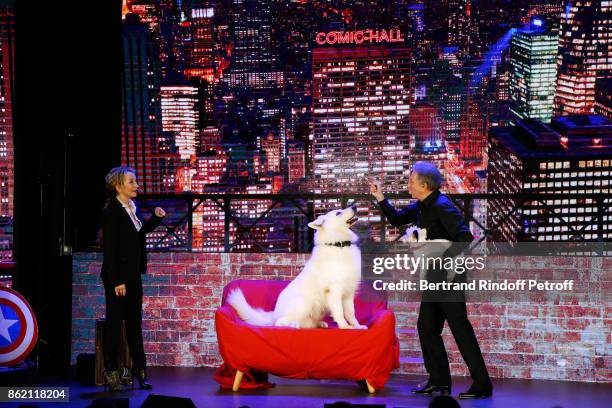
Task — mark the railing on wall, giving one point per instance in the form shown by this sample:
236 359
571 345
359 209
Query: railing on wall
278 222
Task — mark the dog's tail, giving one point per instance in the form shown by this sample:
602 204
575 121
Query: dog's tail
252 316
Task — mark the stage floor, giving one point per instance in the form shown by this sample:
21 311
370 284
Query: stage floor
199 385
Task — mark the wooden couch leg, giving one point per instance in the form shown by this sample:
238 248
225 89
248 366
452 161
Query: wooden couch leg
371 389
238 380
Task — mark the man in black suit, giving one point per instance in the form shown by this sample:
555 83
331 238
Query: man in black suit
125 260
436 212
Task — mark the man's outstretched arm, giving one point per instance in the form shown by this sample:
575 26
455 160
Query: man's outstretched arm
406 215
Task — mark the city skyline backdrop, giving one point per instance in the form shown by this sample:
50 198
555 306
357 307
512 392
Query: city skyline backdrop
298 96
310 96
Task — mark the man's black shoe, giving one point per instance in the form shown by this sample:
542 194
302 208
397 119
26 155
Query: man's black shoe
475 394
429 389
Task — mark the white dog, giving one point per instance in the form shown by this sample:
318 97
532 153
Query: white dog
327 284
421 246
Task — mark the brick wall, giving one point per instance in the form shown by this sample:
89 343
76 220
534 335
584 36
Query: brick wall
567 341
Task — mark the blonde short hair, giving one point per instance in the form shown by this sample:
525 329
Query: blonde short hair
115 177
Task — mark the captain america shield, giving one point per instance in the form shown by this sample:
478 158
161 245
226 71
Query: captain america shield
18 328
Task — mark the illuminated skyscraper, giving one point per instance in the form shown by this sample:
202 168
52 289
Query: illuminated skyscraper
200 52
474 125
7 173
571 155
533 69
585 54
446 93
140 107
462 31
451 112
296 161
253 54
169 48
361 99
179 115
271 147
426 130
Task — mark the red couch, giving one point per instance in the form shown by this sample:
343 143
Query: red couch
330 353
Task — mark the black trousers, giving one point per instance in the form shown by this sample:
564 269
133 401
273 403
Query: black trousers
128 308
432 315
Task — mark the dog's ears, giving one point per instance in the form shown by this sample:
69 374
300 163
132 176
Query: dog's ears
316 224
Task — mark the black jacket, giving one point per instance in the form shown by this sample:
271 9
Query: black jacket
438 215
125 255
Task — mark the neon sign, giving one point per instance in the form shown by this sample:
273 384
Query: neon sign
359 37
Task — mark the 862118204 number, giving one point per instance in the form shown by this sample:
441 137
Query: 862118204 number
34 394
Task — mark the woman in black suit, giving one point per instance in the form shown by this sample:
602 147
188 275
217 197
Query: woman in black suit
125 259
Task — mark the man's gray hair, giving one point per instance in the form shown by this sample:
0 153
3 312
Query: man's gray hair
428 174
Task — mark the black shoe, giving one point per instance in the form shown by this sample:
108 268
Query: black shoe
141 376
113 380
475 394
429 389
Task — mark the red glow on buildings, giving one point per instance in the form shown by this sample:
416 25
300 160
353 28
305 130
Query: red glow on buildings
473 138
207 74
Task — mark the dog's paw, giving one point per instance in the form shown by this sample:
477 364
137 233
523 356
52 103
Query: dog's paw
360 327
295 325
323 325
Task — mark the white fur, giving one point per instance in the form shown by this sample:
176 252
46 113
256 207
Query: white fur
415 235
327 284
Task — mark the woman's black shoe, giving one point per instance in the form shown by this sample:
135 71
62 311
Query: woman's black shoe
141 375
429 389
113 380
474 394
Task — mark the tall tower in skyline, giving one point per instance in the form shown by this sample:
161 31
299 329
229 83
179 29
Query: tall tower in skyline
140 102
533 69
169 46
361 103
7 164
426 129
585 54
200 51
461 29
474 125
253 55
179 114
